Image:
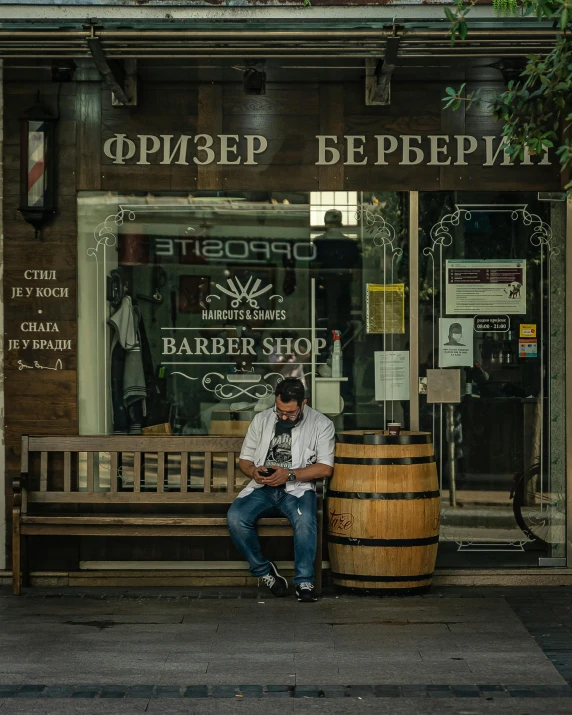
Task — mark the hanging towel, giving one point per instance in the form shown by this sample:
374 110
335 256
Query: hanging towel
125 326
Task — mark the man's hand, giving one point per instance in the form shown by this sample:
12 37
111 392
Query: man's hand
258 474
279 477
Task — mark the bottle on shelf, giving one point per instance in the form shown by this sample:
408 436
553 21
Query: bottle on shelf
337 366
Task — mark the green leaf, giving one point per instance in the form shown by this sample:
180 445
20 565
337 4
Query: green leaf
564 19
449 14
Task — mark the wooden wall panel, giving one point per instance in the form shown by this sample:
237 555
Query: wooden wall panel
271 178
88 155
280 99
59 99
162 108
209 122
39 400
364 178
332 123
165 108
452 123
291 138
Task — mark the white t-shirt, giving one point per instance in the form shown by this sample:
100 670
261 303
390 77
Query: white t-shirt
313 441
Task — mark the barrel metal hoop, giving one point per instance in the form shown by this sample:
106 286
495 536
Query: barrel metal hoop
382 496
388 439
358 541
381 579
385 461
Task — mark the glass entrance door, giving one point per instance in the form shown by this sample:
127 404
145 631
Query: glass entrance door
491 374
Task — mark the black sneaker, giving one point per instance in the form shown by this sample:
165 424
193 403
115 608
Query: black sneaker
305 593
276 583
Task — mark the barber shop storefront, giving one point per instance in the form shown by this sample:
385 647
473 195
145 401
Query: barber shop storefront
212 237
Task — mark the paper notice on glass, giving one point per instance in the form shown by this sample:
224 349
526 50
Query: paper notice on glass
455 342
385 308
391 375
486 287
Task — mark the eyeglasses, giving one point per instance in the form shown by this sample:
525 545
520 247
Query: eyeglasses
287 415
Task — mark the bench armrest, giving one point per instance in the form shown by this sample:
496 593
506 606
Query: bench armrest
320 488
19 486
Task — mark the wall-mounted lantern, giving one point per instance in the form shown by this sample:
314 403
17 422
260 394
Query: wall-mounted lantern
37 166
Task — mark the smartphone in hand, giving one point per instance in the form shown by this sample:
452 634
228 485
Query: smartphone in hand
268 472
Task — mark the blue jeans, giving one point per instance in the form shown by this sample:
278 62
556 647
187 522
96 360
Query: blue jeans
263 502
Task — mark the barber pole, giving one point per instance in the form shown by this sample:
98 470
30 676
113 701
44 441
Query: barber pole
36 164
37 170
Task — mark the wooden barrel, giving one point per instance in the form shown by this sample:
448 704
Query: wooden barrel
229 423
383 512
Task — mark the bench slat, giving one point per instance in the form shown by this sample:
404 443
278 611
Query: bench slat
133 443
25 453
141 530
208 471
131 498
230 472
67 471
184 471
138 520
44 472
160 472
137 471
90 481
113 472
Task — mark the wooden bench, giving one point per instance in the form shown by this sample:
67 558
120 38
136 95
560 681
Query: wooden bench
75 486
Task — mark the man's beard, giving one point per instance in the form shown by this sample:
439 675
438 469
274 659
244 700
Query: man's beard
289 424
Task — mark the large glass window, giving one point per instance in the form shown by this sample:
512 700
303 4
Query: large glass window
194 307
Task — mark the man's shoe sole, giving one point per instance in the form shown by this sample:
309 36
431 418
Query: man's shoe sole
279 578
306 600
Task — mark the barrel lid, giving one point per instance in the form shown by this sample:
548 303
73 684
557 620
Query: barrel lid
381 437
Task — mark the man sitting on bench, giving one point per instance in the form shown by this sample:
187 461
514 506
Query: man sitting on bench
286 448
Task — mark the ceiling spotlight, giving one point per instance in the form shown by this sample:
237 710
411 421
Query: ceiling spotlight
254 77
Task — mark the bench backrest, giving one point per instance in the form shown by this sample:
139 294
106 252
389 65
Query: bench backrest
131 469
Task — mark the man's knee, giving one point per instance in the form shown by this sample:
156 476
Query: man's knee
305 521
237 518
233 517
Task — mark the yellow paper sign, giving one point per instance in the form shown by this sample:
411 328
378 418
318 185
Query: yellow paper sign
385 308
528 330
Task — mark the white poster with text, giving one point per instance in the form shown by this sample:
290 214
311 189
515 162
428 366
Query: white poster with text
391 375
475 287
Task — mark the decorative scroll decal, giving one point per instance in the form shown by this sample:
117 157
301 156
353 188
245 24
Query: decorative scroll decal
247 293
381 231
105 233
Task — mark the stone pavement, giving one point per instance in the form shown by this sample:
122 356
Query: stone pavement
460 651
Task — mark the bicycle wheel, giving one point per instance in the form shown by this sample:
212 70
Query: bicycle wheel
538 511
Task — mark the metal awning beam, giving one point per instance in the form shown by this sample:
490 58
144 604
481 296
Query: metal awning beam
112 72
271 34
107 46
114 75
